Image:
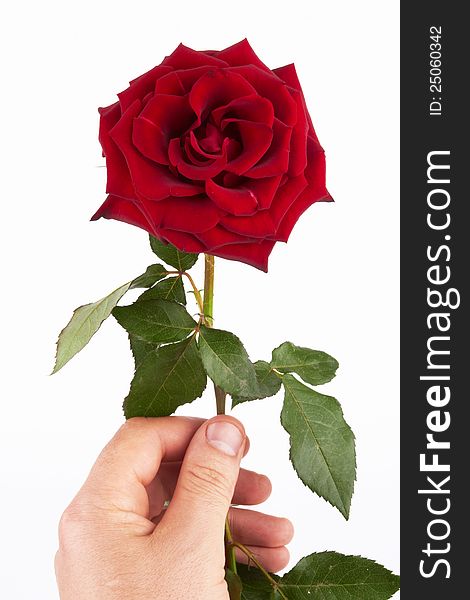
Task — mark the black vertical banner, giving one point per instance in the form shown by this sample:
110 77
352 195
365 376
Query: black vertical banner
435 271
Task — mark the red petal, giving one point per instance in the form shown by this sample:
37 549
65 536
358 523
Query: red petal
183 241
149 139
190 215
236 201
276 160
192 155
270 86
289 75
215 88
316 168
210 141
110 115
255 138
162 118
241 54
263 189
119 181
284 199
315 191
259 225
295 212
186 58
251 108
255 255
170 84
141 86
298 143
180 82
218 236
194 171
172 114
150 180
124 210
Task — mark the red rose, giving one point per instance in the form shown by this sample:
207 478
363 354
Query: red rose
213 152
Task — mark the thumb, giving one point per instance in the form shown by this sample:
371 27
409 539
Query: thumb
207 478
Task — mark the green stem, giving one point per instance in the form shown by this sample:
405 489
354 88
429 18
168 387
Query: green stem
196 292
208 290
208 312
230 548
268 576
208 319
220 400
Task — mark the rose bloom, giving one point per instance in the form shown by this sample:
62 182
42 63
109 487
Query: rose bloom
213 152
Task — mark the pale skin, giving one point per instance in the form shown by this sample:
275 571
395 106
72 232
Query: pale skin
118 542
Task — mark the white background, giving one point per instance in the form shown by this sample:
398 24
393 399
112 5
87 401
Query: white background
333 287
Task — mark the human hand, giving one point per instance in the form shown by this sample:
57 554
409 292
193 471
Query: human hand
116 540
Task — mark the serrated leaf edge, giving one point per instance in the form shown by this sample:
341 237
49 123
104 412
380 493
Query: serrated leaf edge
345 512
314 588
98 303
192 338
342 556
294 366
201 336
236 400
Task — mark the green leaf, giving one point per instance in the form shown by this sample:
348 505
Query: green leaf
171 288
167 377
321 443
326 575
87 319
153 274
312 366
268 383
85 322
182 261
255 586
234 584
339 576
227 363
156 321
140 349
